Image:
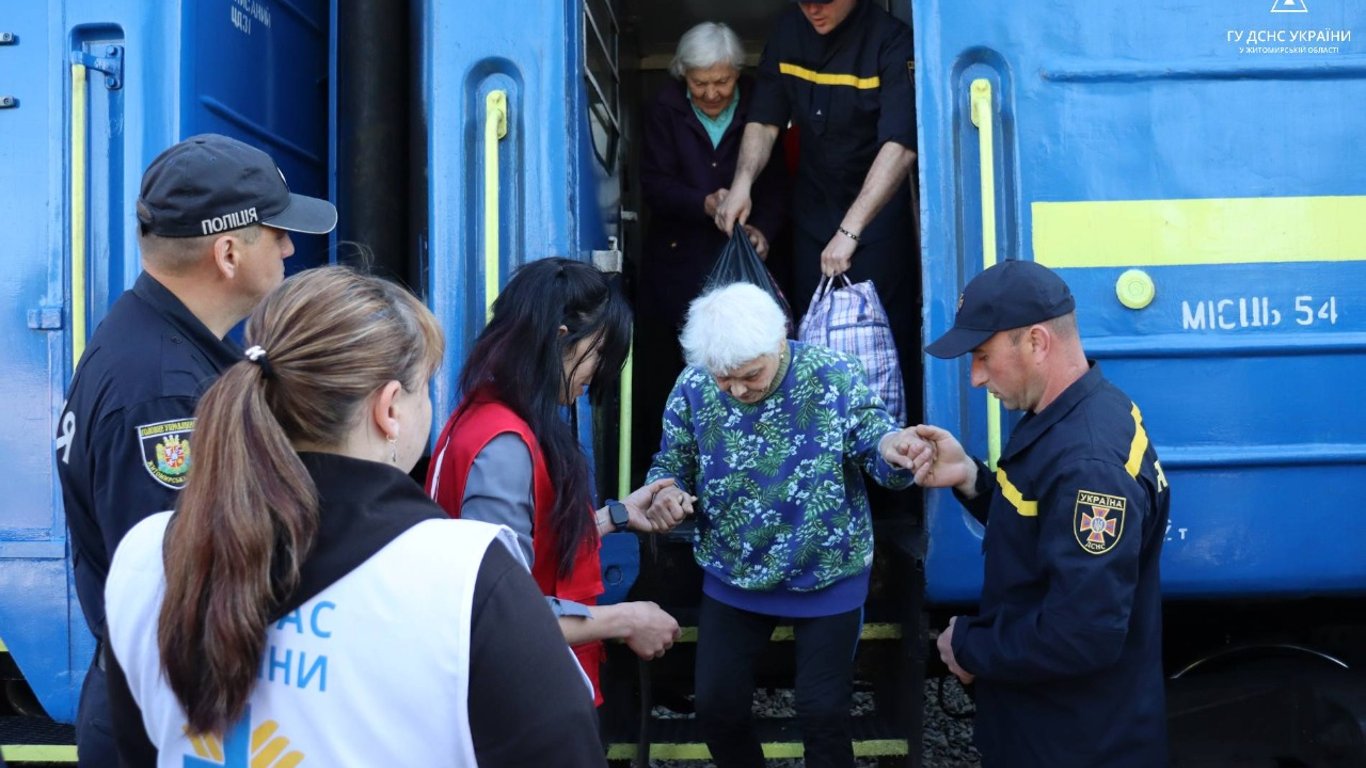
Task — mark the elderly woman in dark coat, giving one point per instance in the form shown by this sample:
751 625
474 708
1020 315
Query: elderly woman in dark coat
691 142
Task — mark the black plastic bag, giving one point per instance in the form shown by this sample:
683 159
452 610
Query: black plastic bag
738 263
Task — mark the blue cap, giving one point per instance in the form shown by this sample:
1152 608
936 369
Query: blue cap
211 183
1011 294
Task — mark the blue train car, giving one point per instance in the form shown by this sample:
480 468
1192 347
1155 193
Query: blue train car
91 93
337 93
1192 171
456 145
1188 169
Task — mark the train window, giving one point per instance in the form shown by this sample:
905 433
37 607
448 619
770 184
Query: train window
603 76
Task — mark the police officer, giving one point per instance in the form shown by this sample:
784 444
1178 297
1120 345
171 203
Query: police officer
841 71
1066 650
214 219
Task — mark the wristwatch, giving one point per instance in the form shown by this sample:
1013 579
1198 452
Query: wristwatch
617 513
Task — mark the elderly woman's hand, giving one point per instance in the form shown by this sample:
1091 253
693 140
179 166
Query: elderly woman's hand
671 506
947 465
907 449
734 207
757 239
713 201
639 503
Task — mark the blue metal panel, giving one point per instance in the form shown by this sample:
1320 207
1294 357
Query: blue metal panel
272 77
1170 101
35 603
257 70
527 49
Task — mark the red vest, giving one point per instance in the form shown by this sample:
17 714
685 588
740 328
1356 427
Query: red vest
471 427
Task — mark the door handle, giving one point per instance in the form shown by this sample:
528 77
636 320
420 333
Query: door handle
979 98
495 128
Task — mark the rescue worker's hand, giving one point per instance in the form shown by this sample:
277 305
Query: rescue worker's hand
713 201
638 506
945 645
947 465
838 255
900 449
757 239
670 507
734 207
651 630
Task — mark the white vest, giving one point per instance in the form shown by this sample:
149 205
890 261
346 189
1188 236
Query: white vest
374 671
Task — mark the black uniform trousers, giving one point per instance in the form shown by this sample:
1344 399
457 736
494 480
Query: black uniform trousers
95 746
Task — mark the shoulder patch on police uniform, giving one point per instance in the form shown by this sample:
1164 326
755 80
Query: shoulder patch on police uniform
1098 521
166 451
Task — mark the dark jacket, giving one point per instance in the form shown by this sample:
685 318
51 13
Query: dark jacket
1067 647
679 168
848 93
122 448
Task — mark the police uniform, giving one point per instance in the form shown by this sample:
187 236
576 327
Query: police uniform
848 92
1067 647
124 441
124 448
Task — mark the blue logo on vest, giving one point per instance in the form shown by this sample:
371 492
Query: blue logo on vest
243 747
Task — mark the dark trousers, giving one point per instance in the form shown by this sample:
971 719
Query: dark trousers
94 730
729 641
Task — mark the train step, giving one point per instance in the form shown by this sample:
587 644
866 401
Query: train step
681 739
783 633
36 741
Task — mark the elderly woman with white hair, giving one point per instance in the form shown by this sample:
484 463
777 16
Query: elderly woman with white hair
765 439
688 153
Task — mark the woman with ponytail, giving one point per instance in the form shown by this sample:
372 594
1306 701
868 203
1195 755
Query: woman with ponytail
306 602
507 455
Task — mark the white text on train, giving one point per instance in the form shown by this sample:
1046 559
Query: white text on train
1230 314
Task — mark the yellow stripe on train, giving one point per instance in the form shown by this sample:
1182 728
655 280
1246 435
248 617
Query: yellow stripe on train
1235 230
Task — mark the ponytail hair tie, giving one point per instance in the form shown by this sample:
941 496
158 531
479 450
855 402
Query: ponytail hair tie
257 354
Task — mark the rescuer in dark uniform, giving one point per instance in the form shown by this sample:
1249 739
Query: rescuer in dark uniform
214 219
842 72
1066 649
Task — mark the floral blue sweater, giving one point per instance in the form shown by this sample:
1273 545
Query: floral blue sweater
781 503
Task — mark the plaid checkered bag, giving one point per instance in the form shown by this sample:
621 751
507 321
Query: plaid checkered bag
849 318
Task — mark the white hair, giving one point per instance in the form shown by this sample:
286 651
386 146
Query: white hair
706 45
730 326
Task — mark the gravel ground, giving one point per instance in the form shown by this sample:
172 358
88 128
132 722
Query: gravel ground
947 740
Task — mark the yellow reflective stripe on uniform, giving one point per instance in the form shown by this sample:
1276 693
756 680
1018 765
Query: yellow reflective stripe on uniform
1024 506
1139 445
826 78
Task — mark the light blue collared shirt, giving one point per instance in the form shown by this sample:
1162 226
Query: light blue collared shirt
716 126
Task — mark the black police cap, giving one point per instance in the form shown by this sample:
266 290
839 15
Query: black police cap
210 183
1005 296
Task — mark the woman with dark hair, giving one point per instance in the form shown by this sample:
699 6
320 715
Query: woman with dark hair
508 455
306 600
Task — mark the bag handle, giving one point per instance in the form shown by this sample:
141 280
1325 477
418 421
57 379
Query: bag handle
827 284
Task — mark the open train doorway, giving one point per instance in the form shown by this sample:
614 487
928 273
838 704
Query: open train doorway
650 710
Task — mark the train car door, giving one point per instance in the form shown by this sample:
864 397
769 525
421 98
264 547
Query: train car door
520 109
36 601
91 93
1192 171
